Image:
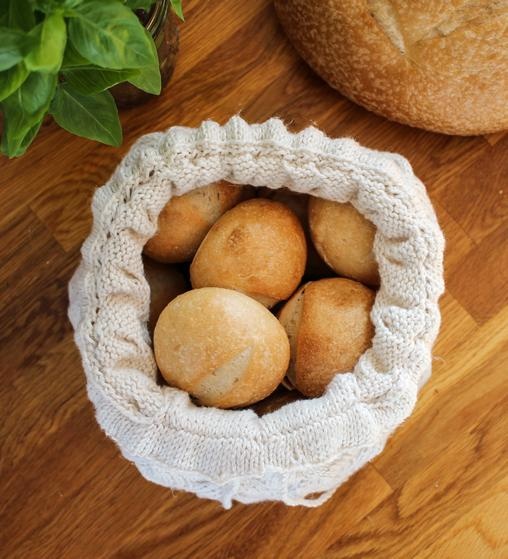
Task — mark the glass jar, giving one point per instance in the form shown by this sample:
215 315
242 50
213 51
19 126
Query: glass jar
162 25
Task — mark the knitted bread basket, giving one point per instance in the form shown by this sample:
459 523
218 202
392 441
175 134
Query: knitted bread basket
307 447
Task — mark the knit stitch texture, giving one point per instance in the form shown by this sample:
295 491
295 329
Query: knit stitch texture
307 447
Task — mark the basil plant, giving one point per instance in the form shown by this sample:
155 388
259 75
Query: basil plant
61 57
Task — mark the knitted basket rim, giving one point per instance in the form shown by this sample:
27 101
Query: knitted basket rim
159 427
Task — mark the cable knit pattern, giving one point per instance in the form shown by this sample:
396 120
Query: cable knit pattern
307 447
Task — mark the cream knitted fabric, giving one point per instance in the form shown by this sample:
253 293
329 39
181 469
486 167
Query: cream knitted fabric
306 447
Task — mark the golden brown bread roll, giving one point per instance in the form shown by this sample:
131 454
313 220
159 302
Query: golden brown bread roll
439 65
344 238
166 281
185 220
257 248
328 325
298 203
221 346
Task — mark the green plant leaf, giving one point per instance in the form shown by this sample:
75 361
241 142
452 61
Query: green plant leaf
70 3
24 111
176 6
91 79
11 79
109 34
4 12
91 116
29 137
139 4
47 6
148 78
14 147
94 80
20 14
51 36
72 58
14 45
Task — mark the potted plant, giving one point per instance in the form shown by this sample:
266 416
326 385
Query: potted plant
62 56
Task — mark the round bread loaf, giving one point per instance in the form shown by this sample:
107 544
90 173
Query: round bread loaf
221 346
185 220
437 65
257 248
166 281
298 203
344 238
328 325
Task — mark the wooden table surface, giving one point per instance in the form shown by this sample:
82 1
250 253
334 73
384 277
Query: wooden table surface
438 490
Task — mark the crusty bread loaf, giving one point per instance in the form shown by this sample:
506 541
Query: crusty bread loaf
258 248
328 326
221 346
438 65
316 267
344 238
185 220
166 281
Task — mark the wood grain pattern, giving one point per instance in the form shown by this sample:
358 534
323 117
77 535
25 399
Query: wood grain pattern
440 487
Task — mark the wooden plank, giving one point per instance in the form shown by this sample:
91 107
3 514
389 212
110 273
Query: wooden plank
65 207
479 203
76 483
479 280
481 532
38 402
33 283
441 489
492 139
286 532
464 386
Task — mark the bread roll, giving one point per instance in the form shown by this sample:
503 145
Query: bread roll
221 346
328 325
257 248
439 65
298 203
344 238
166 281
185 220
